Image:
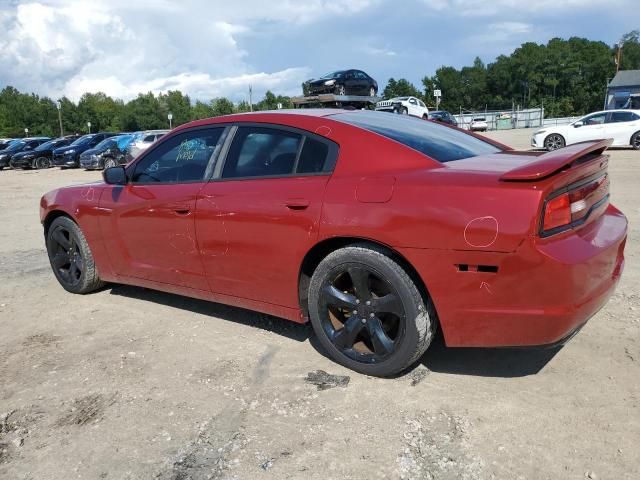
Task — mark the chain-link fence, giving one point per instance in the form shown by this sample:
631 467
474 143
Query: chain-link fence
503 119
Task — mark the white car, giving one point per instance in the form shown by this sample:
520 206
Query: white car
479 125
623 126
142 141
404 105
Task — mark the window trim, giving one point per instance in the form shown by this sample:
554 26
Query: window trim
332 154
130 170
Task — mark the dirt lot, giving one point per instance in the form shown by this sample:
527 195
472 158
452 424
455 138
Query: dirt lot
129 383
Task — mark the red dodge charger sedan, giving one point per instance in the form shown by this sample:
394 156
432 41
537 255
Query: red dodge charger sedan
378 228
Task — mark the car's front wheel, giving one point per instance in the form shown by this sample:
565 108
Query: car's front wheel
372 92
341 90
70 257
110 162
42 162
635 141
368 313
554 142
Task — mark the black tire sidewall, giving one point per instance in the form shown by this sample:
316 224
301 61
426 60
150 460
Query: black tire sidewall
403 357
564 142
634 137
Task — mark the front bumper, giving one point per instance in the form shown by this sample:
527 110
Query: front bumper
322 89
65 161
5 162
22 162
90 163
540 294
537 141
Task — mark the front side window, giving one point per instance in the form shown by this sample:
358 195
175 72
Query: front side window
597 119
183 158
412 101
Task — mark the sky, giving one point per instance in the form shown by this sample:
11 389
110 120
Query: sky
213 48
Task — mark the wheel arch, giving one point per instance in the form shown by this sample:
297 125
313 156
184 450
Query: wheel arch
323 248
633 135
52 215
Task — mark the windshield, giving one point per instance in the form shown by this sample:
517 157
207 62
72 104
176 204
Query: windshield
16 146
429 138
339 74
50 144
83 139
106 143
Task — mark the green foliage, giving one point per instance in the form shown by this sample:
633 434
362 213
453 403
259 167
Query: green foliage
568 76
400 88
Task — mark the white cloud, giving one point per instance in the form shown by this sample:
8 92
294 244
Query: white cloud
124 47
379 51
488 8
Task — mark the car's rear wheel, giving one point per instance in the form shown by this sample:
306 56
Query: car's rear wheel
554 142
368 313
70 257
42 162
635 141
110 162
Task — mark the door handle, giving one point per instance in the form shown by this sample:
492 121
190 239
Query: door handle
297 203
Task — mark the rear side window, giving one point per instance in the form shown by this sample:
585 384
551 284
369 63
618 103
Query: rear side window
439 142
261 152
617 117
315 157
149 139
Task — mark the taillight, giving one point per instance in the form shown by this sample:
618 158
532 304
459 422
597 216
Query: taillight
572 207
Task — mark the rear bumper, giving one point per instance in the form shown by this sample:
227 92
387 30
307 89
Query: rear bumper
541 293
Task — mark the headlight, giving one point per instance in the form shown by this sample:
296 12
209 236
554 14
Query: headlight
70 152
329 82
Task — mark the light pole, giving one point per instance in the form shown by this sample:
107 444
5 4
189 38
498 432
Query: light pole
170 117
26 132
89 126
59 107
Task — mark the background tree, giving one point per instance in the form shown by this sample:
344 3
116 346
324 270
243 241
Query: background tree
400 88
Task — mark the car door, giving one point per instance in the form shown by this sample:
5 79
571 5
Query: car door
621 125
257 219
351 83
364 84
149 223
592 128
414 108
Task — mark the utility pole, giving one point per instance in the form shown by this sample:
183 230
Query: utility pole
250 99
618 58
59 107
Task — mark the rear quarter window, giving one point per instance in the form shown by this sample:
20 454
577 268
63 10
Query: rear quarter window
439 142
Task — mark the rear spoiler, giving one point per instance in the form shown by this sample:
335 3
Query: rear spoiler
552 162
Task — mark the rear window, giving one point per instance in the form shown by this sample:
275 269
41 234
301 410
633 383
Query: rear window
439 142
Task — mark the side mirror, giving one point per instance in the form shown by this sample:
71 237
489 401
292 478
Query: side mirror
115 176
578 124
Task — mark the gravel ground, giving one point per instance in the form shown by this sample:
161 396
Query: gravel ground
128 383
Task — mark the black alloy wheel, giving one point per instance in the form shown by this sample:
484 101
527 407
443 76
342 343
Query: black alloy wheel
341 90
42 162
368 313
70 257
110 162
372 92
362 313
635 141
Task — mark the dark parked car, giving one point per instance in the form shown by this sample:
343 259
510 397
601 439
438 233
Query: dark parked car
23 145
443 116
108 153
344 82
69 156
41 156
5 142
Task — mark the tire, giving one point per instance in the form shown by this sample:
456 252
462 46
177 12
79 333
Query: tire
41 162
635 141
71 258
404 111
110 162
341 90
372 92
425 117
554 141
377 342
